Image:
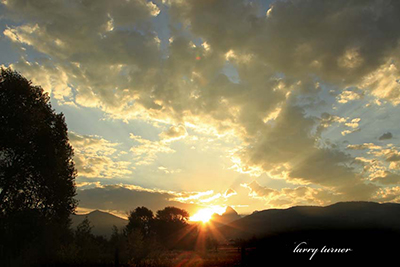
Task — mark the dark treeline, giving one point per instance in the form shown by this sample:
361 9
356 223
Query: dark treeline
143 242
148 236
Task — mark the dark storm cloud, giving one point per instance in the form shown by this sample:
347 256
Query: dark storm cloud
122 199
386 136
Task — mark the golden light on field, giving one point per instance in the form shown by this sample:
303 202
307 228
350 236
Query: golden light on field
204 215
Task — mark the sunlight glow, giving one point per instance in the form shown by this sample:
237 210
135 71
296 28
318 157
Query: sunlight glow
204 215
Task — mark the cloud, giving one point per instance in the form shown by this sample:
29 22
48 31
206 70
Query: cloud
205 198
146 151
353 125
364 146
384 83
349 95
282 142
327 120
329 39
287 150
389 153
114 57
94 157
89 43
257 190
229 192
189 197
380 163
53 80
324 167
87 185
386 136
287 197
174 133
168 171
388 178
113 68
346 132
123 199
389 194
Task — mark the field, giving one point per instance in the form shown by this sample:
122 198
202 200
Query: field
224 256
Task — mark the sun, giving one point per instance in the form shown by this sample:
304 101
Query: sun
204 215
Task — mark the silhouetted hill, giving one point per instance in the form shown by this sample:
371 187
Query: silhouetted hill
228 216
343 215
369 229
102 222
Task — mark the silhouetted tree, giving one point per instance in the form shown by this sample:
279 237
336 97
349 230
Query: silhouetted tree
87 249
37 172
173 214
146 235
141 241
36 167
85 242
140 219
83 231
116 244
137 245
169 223
115 236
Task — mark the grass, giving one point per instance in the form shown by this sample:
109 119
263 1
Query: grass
224 257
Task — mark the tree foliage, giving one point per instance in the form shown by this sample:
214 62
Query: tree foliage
173 214
169 222
36 168
83 230
141 219
146 234
37 173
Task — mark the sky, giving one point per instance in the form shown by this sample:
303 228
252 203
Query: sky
214 103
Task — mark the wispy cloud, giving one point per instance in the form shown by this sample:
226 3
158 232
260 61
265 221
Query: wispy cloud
94 157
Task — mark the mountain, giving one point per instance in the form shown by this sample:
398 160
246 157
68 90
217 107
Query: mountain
102 222
228 216
343 215
368 230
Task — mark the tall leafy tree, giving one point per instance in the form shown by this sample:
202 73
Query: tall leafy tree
140 219
169 224
36 167
37 173
173 215
140 234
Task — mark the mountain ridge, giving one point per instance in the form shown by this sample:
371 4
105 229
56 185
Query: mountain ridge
341 215
101 221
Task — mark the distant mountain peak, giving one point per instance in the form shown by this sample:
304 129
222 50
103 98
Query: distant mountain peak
101 221
96 211
229 210
228 216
